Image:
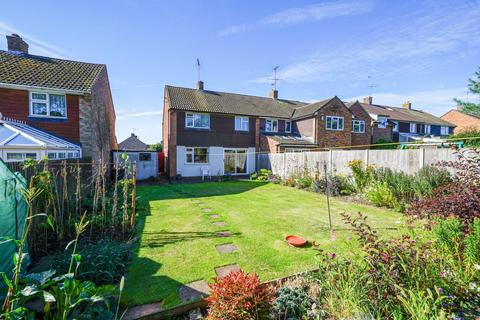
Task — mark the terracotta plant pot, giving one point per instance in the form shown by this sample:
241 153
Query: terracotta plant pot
295 241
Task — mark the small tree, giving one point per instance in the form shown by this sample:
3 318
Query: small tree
474 87
156 147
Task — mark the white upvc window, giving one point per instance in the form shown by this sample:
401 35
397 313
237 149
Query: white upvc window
271 125
20 156
334 123
196 155
444 131
382 122
427 129
288 126
43 104
358 126
395 126
241 123
197 120
413 128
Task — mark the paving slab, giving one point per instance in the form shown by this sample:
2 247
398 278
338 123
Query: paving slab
226 248
193 291
214 216
224 233
207 209
225 270
143 311
219 223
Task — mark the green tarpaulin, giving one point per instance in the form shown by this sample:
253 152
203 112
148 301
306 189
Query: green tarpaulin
13 211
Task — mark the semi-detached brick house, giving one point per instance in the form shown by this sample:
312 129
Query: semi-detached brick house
464 121
69 99
220 132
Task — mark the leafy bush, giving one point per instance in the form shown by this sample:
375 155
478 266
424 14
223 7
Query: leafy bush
384 144
362 175
304 182
239 296
468 133
103 262
337 185
379 194
292 303
261 175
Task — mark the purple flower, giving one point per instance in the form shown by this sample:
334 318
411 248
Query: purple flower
440 290
333 255
443 274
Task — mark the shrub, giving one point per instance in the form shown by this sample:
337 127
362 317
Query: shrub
337 185
304 182
384 144
292 303
103 262
380 194
239 296
261 175
362 175
469 133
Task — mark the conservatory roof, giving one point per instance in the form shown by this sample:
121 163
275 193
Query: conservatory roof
21 135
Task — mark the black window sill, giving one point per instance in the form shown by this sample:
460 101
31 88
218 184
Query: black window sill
199 129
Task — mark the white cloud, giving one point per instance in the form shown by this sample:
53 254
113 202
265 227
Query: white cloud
435 101
316 12
122 114
36 45
399 50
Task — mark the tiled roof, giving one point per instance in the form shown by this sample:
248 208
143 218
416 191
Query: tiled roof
23 69
290 140
230 103
402 114
310 109
132 143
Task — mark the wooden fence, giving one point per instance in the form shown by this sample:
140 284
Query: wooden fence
408 161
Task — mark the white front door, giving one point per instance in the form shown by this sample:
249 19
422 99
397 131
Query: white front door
235 161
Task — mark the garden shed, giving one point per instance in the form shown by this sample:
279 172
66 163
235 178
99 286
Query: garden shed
146 161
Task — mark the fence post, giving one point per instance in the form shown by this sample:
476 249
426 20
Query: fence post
367 155
134 185
330 160
284 165
421 158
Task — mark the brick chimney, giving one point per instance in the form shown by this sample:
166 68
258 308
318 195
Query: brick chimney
407 105
368 100
16 43
199 85
273 94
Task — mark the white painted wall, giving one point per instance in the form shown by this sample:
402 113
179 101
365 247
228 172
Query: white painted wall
215 162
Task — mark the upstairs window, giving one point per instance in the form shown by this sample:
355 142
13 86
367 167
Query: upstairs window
382 122
197 120
271 125
288 126
413 128
241 123
196 155
48 105
334 123
358 126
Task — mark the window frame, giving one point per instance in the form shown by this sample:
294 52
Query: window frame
382 124
273 121
192 115
47 102
142 156
242 122
23 155
359 123
429 127
447 130
192 153
289 122
413 125
332 120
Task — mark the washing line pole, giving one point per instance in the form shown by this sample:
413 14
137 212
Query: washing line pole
327 192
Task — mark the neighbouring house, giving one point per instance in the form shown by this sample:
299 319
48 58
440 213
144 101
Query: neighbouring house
404 124
132 143
463 121
220 132
20 141
67 99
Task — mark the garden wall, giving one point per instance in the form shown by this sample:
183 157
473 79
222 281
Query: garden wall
408 161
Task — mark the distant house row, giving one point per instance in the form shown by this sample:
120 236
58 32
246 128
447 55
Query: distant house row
220 132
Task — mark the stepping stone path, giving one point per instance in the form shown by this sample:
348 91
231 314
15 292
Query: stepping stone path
207 209
224 234
214 216
225 270
193 291
226 248
219 224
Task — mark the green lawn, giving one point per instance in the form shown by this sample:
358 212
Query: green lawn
177 238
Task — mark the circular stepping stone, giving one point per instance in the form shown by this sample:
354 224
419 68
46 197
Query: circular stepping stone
193 291
226 248
214 216
224 234
225 270
219 223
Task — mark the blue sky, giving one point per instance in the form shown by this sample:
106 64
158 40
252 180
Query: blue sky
423 51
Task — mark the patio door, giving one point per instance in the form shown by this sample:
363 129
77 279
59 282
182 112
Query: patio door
235 161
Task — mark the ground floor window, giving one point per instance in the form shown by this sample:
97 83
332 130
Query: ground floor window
196 155
57 155
21 156
235 161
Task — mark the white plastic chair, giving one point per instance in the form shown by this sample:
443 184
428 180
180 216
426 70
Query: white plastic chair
205 172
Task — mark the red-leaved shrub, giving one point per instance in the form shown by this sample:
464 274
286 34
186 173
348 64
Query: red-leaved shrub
239 296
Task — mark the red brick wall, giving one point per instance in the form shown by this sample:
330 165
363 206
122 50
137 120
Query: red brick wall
461 120
305 127
361 114
329 138
15 104
267 144
382 133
